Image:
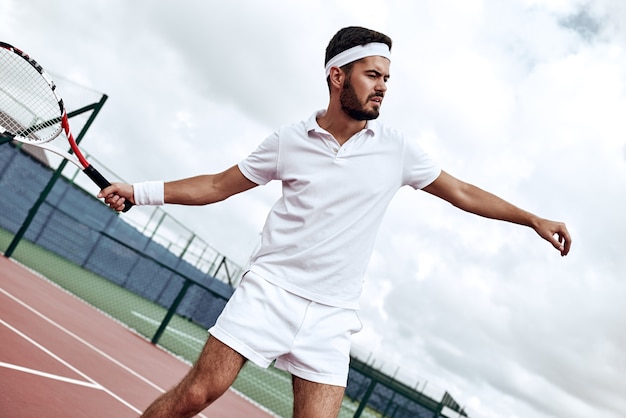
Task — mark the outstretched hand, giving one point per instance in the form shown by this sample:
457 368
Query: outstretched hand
555 233
116 194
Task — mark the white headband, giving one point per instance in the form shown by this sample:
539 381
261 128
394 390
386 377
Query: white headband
358 52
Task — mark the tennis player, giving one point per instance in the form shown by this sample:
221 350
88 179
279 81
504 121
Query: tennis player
297 304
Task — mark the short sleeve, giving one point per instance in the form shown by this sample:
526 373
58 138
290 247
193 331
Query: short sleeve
419 169
261 165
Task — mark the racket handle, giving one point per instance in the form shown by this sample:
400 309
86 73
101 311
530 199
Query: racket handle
99 179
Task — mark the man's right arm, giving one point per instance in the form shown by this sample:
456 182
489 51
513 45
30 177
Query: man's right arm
198 190
208 188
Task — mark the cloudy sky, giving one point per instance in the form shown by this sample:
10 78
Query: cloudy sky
525 98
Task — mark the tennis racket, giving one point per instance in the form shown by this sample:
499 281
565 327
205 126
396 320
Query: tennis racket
32 111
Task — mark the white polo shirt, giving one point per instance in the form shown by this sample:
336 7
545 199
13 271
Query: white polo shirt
318 237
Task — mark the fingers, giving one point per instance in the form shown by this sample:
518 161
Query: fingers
560 238
116 194
559 243
115 202
565 241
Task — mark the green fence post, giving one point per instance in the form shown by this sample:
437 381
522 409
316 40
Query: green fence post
366 397
46 191
171 311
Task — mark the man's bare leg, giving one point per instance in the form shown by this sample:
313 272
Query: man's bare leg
211 375
316 400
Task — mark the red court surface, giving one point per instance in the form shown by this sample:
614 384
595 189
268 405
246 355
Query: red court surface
59 357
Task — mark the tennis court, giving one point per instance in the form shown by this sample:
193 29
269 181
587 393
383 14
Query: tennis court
60 357
99 263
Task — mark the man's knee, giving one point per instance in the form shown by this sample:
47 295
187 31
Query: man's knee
198 396
212 374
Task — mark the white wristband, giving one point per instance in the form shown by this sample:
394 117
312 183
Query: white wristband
149 193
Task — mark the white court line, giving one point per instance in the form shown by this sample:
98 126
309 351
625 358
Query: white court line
60 360
92 347
66 364
173 330
80 340
49 375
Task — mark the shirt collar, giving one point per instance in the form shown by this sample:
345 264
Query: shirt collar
371 126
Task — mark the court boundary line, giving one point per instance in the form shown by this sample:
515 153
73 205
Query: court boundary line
68 365
82 341
45 279
48 375
171 329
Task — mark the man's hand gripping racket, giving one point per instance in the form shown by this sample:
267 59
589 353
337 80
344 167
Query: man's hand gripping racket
32 112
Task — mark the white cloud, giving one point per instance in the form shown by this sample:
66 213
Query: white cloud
524 98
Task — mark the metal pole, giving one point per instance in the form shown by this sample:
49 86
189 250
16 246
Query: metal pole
171 311
46 191
365 399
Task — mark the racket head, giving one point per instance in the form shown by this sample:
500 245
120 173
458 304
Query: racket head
31 110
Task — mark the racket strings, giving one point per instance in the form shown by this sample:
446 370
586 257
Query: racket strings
29 107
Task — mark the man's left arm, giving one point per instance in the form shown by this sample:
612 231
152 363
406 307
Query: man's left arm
480 202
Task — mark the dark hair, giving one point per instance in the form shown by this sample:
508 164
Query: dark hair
352 36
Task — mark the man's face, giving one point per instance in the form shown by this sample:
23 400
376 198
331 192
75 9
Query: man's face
364 88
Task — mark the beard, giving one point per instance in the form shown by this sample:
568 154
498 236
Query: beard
352 106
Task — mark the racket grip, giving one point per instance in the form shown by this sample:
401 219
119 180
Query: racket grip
102 182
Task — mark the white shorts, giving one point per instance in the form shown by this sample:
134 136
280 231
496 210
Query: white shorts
264 322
